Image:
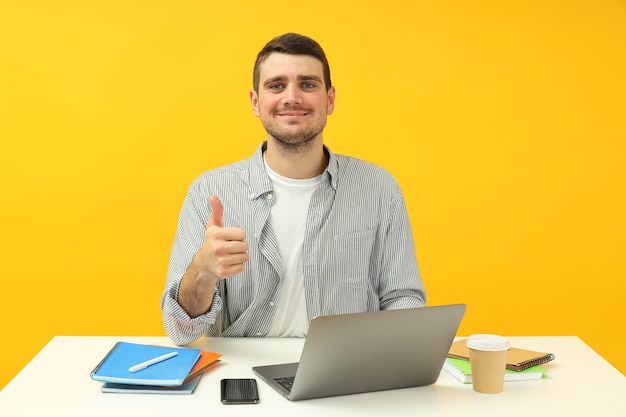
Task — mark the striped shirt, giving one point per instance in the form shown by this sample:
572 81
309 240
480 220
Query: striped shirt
358 253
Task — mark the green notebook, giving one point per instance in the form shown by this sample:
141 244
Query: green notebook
461 370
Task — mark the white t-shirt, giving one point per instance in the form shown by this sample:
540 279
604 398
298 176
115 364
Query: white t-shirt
288 219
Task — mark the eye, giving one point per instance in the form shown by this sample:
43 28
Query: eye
308 85
276 87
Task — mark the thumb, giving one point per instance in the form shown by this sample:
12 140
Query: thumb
217 211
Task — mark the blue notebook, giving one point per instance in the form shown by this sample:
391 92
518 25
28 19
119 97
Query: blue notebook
187 388
170 372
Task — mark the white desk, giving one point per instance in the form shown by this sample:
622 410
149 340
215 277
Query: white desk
57 383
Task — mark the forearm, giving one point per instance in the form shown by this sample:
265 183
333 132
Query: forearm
180 327
197 289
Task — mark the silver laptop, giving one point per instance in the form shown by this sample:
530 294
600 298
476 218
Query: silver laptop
364 352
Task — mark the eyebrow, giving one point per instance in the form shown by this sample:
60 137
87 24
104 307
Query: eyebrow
300 78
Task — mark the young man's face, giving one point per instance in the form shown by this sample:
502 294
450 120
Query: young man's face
292 100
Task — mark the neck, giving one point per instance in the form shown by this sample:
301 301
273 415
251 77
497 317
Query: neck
306 163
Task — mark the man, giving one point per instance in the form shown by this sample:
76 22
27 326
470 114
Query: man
266 244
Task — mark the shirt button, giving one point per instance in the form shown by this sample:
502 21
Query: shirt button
271 304
270 196
259 334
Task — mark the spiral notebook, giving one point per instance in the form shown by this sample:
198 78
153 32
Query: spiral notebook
461 370
114 367
207 361
517 359
187 388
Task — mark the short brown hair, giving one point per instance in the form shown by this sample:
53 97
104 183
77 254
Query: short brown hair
292 44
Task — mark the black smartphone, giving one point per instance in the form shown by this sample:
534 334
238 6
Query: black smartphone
239 391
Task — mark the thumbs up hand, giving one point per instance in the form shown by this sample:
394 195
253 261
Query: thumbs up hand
225 250
222 255
217 212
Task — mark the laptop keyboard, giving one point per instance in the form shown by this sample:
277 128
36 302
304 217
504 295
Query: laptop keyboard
286 382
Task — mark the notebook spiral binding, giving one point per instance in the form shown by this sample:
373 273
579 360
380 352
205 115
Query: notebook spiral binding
99 365
534 362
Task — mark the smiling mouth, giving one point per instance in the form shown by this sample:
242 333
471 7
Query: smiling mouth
293 114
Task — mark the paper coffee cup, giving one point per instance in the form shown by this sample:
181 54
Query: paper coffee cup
488 353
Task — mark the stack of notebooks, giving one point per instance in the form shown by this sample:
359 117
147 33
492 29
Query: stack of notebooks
522 364
166 370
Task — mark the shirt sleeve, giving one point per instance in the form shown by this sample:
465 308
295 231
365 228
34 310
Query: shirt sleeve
401 285
180 327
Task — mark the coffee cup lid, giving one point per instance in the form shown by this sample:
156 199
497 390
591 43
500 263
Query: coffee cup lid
489 342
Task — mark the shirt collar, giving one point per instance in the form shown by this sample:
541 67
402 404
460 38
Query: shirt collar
261 184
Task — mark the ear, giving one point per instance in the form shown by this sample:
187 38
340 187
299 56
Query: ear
331 101
254 100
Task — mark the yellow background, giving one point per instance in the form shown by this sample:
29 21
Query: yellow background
504 122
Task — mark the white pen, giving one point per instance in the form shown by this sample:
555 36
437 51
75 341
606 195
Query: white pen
145 364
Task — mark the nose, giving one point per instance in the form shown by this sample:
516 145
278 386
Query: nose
292 95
